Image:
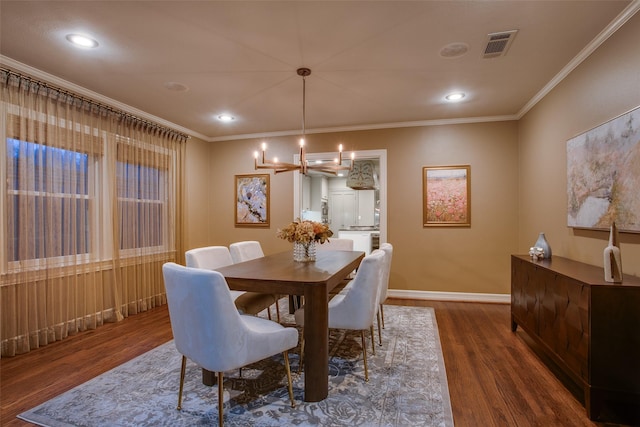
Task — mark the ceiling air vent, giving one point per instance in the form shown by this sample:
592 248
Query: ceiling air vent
498 43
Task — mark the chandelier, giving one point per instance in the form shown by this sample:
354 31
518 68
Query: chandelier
303 166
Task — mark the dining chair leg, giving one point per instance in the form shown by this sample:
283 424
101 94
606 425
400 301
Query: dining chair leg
364 355
300 358
373 341
182 371
288 368
379 329
295 302
220 399
382 314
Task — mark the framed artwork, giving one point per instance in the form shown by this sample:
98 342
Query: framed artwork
446 196
252 200
603 175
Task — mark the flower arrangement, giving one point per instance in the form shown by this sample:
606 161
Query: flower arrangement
305 231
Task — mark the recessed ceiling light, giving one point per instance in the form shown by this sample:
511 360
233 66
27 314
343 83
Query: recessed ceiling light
455 96
82 41
226 118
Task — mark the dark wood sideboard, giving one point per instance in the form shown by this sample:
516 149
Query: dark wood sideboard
588 327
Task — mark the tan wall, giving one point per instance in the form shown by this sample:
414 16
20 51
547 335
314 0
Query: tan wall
198 184
518 183
474 259
606 85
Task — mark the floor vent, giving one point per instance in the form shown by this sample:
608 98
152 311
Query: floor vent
498 43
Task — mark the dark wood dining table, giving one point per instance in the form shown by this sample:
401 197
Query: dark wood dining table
280 274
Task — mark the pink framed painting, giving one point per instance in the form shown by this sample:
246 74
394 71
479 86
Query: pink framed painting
446 197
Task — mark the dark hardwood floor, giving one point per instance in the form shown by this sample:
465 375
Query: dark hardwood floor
495 376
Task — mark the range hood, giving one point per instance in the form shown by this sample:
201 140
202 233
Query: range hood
362 175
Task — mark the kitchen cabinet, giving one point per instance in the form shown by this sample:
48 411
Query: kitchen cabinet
342 209
366 207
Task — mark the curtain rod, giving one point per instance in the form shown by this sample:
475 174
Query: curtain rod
118 112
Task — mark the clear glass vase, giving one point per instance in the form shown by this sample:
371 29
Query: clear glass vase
304 252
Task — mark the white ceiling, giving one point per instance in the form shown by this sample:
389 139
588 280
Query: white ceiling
374 63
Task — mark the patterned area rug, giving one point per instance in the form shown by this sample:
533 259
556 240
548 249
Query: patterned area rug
407 386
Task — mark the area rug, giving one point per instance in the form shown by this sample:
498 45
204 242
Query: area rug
407 386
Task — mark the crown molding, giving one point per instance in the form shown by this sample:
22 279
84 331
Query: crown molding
81 91
421 123
64 84
614 26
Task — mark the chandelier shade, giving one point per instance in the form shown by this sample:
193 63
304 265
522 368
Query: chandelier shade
303 166
362 175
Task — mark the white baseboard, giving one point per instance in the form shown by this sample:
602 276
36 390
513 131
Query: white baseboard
449 296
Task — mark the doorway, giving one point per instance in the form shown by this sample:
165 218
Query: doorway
303 190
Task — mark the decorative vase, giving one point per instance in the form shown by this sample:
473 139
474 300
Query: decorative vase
613 258
544 245
304 252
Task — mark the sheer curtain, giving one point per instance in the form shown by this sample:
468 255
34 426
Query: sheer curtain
91 208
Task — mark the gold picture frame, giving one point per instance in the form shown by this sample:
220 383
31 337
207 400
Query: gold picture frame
446 196
252 200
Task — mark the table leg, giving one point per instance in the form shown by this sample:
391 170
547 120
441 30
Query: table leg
209 378
316 342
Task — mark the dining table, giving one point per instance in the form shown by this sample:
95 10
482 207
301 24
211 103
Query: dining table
313 280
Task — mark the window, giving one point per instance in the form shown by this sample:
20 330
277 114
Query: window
52 213
48 189
141 206
76 192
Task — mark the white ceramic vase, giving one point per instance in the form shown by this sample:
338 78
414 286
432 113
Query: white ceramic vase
613 258
544 245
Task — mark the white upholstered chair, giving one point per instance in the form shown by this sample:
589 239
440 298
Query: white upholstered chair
336 245
209 257
356 308
209 330
212 257
246 251
387 248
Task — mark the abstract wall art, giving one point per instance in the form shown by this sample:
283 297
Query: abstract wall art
603 175
252 200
